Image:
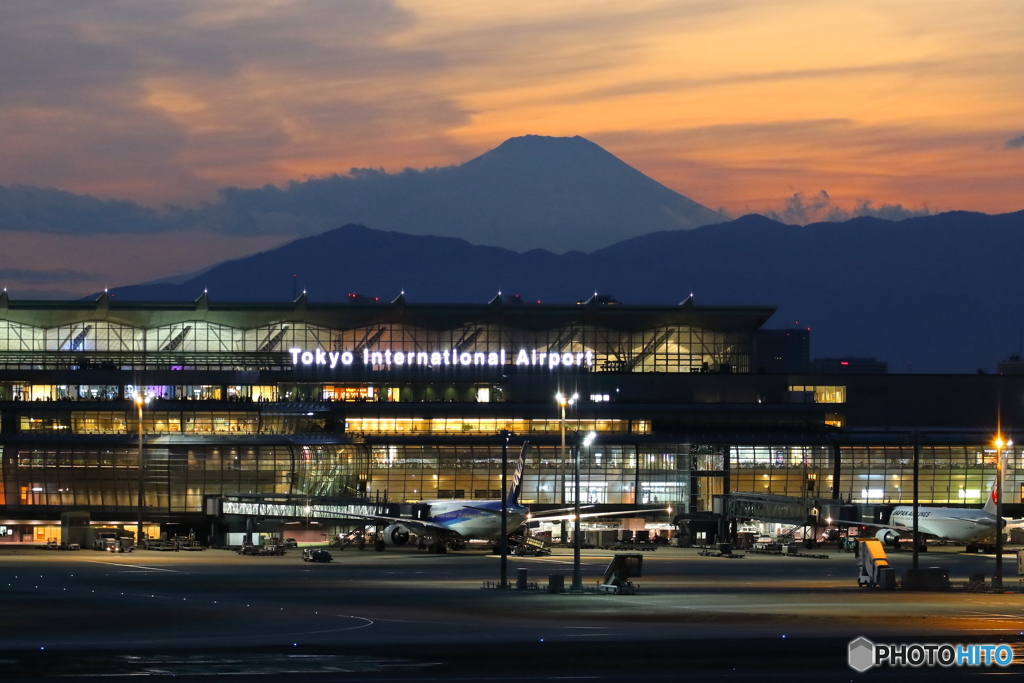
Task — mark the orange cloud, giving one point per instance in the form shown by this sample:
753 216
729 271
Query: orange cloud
735 103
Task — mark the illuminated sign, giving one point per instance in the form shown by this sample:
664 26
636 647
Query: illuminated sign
442 358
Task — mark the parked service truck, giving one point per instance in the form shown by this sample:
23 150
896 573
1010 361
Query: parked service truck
110 539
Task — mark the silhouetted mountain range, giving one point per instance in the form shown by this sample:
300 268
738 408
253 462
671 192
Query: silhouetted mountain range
940 292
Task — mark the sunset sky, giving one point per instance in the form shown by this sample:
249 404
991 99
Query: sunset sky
735 104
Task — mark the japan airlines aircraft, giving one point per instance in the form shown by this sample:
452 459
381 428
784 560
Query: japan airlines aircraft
971 527
454 521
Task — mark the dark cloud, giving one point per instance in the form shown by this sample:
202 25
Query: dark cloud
36 209
801 209
312 206
1015 143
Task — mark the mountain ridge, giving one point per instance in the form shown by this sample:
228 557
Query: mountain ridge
929 290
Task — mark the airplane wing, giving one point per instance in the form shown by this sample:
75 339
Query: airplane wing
541 517
962 519
568 509
490 512
545 513
878 525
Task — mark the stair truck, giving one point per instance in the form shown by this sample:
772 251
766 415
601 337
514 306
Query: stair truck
875 570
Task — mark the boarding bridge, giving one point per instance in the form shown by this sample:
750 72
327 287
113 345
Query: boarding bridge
297 508
779 509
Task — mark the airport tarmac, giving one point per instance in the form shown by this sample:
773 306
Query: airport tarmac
197 603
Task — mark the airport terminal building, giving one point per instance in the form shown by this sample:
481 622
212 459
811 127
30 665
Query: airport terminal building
399 402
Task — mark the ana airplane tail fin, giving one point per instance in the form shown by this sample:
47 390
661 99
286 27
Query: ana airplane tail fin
990 506
517 479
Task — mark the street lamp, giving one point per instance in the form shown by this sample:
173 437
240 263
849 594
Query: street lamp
580 440
140 400
562 400
504 434
997 576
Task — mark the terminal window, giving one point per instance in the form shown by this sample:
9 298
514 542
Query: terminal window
818 393
469 425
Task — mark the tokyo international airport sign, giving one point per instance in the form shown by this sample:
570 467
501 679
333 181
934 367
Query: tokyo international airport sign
441 358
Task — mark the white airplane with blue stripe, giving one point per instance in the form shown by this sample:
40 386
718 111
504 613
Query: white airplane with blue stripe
454 521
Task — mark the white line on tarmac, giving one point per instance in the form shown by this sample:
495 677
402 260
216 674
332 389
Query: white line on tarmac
537 559
135 566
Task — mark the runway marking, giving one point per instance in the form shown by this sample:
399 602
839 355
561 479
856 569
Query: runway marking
135 566
289 634
538 559
369 622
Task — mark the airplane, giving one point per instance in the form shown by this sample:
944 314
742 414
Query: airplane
452 522
970 527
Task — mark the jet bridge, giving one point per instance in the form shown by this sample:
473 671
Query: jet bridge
779 509
269 512
296 507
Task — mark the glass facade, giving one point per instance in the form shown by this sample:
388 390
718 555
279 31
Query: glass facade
176 478
471 425
948 475
120 421
609 474
664 345
678 474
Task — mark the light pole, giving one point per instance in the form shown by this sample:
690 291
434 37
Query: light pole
917 504
504 434
562 400
997 576
579 440
140 400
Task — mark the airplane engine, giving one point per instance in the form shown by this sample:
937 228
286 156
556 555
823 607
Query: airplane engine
396 534
888 537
